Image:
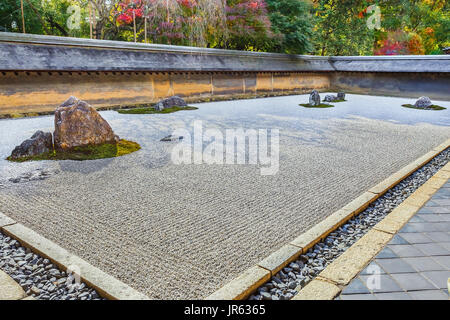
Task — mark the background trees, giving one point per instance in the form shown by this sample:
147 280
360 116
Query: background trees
322 27
292 21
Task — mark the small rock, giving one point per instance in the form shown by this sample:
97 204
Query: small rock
423 103
171 102
38 144
266 296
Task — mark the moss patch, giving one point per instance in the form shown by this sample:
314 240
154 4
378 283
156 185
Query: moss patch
151 110
433 107
103 151
322 105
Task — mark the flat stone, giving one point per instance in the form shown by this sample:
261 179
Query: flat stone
361 202
10 289
356 287
406 250
396 265
351 262
321 230
386 253
280 258
414 281
242 286
417 199
395 220
5 220
421 264
438 278
318 290
428 295
393 296
381 283
358 297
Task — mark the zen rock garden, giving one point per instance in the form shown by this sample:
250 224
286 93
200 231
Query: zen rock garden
80 134
424 103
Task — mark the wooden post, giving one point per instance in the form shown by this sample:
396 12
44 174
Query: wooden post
134 25
23 17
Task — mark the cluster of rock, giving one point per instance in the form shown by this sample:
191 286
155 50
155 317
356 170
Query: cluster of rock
77 124
287 282
330 98
170 102
314 98
423 103
38 174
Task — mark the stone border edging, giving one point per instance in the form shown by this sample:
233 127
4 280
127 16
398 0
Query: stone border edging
321 287
106 285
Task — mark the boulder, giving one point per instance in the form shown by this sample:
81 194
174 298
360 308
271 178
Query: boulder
171 102
341 95
77 124
39 143
314 98
330 98
423 102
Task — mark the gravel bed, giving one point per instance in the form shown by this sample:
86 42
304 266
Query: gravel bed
286 283
38 276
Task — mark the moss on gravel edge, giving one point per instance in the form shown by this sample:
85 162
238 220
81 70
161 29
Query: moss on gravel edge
107 150
433 107
322 105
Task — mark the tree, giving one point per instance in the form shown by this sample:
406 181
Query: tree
292 22
341 29
249 25
182 22
425 24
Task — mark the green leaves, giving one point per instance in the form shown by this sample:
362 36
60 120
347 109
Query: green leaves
292 21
